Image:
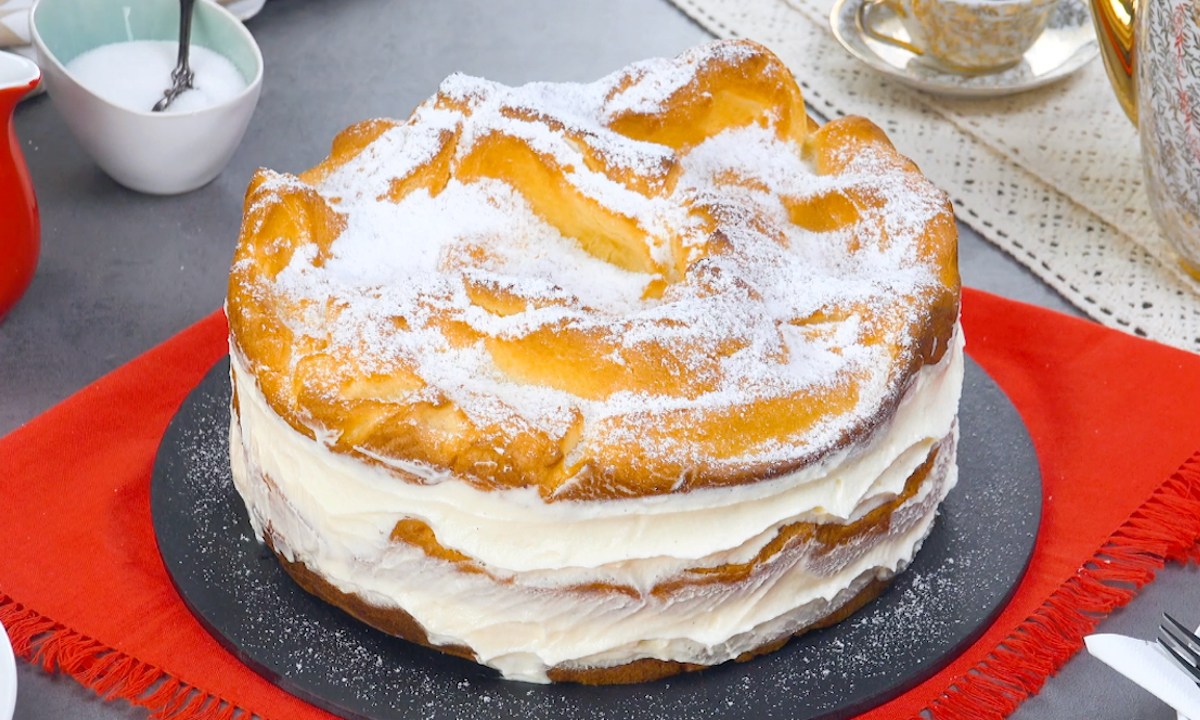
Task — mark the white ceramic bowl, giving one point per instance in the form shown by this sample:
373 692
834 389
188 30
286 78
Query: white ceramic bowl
159 153
8 678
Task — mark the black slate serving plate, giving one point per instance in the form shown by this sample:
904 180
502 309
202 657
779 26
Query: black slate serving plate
965 573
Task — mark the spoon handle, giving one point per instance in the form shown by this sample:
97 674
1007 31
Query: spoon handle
185 37
182 76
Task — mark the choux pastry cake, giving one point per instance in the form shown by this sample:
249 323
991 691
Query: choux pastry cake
598 382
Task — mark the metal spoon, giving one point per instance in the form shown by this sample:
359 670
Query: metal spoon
182 76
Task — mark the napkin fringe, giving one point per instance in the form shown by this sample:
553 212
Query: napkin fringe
109 673
1166 527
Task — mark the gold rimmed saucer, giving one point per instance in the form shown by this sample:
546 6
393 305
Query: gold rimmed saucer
1067 44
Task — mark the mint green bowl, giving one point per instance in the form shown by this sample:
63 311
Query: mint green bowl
159 153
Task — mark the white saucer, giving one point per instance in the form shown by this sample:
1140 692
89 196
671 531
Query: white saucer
244 9
1067 44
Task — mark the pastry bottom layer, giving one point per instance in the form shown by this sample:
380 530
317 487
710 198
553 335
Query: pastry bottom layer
815 577
395 621
910 516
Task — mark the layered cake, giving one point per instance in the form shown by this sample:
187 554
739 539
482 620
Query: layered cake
598 382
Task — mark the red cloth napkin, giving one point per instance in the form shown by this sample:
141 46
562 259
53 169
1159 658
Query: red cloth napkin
82 588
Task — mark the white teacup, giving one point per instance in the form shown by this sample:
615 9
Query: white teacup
971 36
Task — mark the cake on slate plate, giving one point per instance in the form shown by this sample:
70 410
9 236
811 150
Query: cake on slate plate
598 382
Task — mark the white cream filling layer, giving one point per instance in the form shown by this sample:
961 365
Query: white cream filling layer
335 515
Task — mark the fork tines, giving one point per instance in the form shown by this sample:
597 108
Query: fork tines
1182 644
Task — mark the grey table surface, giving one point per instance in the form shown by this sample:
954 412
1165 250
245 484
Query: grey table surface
121 272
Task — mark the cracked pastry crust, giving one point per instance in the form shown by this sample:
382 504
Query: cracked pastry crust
696 259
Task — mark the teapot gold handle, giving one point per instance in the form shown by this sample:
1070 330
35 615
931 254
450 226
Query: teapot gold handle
1114 31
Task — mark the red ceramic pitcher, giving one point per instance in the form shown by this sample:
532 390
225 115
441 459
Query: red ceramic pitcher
19 227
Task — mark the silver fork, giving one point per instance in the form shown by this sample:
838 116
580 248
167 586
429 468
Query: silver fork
1182 644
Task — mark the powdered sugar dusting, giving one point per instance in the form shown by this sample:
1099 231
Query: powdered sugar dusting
736 300
646 85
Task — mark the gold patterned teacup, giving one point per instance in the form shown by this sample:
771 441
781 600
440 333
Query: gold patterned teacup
968 36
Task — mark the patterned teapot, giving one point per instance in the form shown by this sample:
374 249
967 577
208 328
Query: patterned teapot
19 225
1151 50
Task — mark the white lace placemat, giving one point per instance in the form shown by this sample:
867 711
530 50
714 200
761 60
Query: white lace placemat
1052 176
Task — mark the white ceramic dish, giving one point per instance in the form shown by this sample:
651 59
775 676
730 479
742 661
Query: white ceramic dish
158 153
8 677
1066 45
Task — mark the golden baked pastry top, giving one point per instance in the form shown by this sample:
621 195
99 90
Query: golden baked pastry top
667 279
